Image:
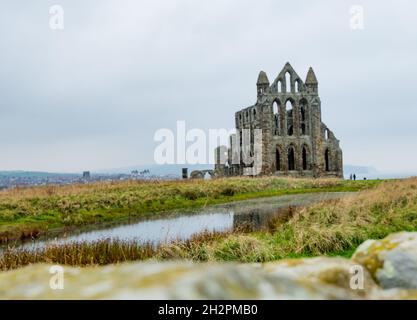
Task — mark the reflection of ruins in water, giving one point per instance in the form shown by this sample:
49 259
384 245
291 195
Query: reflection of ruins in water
254 215
246 215
255 218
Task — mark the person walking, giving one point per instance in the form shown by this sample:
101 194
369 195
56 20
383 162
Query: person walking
354 176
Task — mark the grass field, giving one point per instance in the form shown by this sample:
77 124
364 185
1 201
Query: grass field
330 228
28 212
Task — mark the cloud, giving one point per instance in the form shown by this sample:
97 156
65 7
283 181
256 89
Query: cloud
92 95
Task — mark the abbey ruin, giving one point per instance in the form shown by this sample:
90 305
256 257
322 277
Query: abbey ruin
294 140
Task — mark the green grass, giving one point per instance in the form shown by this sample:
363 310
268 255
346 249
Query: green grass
28 212
330 228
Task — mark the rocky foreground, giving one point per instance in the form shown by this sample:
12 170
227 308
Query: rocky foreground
382 269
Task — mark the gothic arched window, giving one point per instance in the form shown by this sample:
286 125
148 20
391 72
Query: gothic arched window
289 114
275 112
277 160
305 163
291 159
287 82
327 160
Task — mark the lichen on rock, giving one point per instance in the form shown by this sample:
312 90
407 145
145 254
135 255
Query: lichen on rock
337 272
391 261
168 280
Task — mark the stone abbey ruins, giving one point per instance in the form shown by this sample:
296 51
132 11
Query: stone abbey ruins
294 141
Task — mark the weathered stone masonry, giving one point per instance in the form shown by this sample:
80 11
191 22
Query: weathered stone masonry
295 141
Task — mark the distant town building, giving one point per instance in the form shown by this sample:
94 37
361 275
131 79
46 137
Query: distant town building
86 175
185 173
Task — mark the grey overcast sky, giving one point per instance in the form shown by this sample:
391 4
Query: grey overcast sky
91 96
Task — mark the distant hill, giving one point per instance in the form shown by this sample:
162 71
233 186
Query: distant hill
157 170
361 172
348 169
33 174
174 170
372 173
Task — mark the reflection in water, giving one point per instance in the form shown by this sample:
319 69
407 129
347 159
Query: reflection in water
253 214
254 219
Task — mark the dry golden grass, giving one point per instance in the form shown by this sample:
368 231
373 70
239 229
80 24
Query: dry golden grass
334 227
31 211
156 186
344 223
78 254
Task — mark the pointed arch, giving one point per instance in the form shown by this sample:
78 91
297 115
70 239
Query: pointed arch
306 157
275 106
276 116
291 158
327 160
304 117
277 159
289 108
279 86
298 85
288 86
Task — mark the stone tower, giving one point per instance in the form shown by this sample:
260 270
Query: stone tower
295 141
